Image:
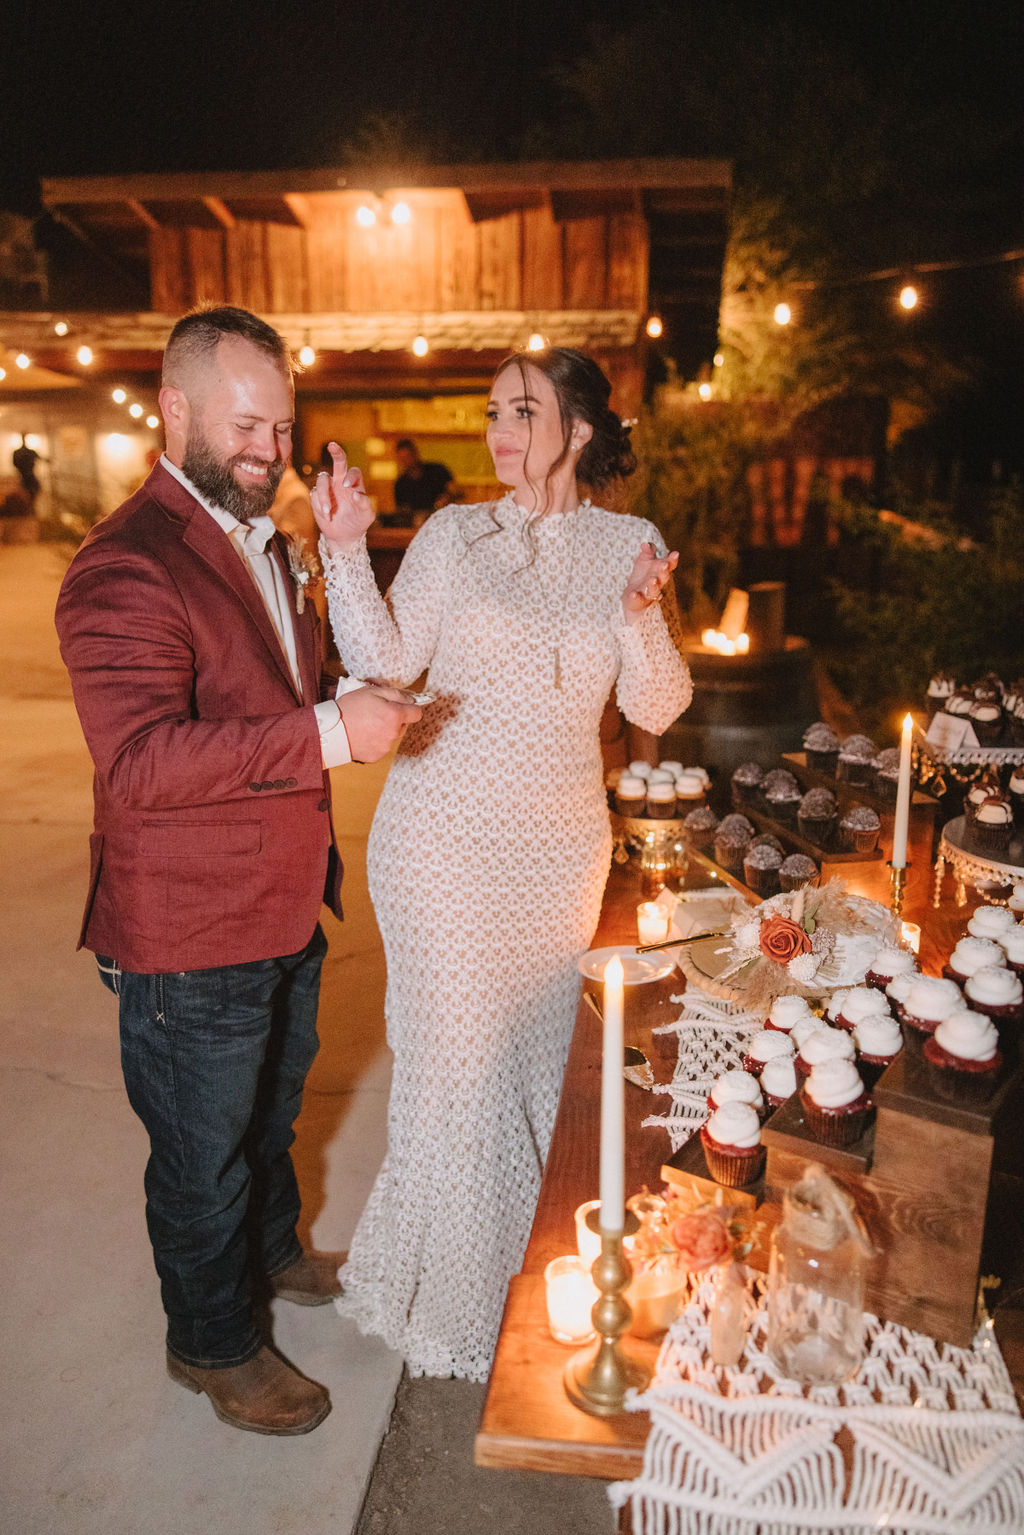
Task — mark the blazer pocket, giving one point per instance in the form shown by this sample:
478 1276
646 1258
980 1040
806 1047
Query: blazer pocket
198 839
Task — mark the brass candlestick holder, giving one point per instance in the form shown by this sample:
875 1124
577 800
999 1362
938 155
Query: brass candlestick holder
598 1377
897 885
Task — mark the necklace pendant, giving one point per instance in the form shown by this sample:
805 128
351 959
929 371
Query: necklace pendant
300 601
558 668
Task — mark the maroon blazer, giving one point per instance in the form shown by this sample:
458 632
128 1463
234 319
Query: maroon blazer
212 808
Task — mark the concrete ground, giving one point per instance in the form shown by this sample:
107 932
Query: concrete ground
95 1438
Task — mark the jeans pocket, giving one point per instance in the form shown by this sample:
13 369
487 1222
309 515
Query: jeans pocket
110 973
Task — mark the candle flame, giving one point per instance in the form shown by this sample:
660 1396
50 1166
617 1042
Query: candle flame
613 971
908 723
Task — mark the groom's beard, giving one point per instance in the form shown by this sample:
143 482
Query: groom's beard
215 478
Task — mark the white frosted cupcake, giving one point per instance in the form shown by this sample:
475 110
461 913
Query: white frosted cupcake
859 1003
996 991
690 789
631 795
701 773
778 1081
835 1103
732 1145
972 954
834 1005
672 768
928 1001
767 1045
890 961
1016 901
787 1011
898 988
640 769
735 1087
661 800
802 1028
963 1057
879 1039
824 1045
1012 944
990 922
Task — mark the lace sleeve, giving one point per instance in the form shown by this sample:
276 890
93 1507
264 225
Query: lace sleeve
389 640
654 684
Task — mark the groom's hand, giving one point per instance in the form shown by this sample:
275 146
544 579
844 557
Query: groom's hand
374 720
341 506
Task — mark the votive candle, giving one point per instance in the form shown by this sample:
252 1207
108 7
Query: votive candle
652 922
910 936
571 1296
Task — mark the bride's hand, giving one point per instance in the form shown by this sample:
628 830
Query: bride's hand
342 509
647 580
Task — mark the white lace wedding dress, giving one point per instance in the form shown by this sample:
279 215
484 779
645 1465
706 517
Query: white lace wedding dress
487 860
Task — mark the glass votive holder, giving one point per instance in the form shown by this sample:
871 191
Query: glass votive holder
652 922
588 1243
910 936
571 1295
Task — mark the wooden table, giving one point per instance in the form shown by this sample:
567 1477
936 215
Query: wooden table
528 1421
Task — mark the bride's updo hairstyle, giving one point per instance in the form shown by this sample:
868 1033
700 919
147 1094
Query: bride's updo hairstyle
583 392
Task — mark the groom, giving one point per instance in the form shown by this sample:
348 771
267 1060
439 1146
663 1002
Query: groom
196 675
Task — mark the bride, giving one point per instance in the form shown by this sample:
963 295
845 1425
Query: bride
490 846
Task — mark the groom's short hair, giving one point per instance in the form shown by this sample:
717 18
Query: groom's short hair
198 334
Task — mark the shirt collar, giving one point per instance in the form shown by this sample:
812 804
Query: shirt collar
249 537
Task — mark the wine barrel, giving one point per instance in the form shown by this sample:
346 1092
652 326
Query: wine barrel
745 708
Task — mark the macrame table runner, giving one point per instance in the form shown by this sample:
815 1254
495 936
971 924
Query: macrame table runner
712 1037
935 1443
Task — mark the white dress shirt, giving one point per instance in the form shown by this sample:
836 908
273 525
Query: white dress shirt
250 540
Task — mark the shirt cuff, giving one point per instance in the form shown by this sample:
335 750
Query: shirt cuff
334 748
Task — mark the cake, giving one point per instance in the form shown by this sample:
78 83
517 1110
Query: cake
778 1081
856 754
732 1145
797 870
761 863
859 829
992 826
940 688
821 746
929 999
888 962
824 1044
861 1002
972 954
787 1011
816 817
996 991
780 795
835 1102
700 826
735 1087
990 922
746 781
963 1057
879 1040
767 1045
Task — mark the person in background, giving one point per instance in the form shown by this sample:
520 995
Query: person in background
422 487
25 460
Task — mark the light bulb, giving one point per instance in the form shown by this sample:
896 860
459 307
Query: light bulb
135 410
908 296
23 360
536 342
119 396
365 215
704 390
61 328
307 356
421 346
3 373
152 422
783 314
401 213
654 327
718 359
84 355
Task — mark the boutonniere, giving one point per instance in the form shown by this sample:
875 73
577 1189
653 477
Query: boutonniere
304 567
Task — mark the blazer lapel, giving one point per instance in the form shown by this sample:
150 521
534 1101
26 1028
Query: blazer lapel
305 624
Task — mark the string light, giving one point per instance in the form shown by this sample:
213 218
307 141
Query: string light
401 213
718 359
365 216
704 390
307 356
152 422
84 355
654 327
23 360
783 314
536 342
3 374
135 410
119 396
909 296
421 346
61 328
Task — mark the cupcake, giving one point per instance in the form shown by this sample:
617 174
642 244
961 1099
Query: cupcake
797 870
960 702
631 795
780 795
897 990
1015 790
767 839
861 1002
996 991
732 839
673 769
987 721
963 1057
979 792
698 772
988 689
732 1145
803 1029
824 1044
1012 944
746 781
834 1005
929 999
993 823
661 800
1016 901
886 771
640 769
859 829
972 954
700 827
816 817
778 1081
787 1011
991 922
735 1087
890 960
767 1045
940 688
821 745
856 754
835 1103
1015 721
761 869
879 1039
690 792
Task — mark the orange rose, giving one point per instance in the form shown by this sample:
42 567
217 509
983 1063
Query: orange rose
702 1240
782 939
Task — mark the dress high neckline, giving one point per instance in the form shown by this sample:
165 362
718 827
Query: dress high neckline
508 503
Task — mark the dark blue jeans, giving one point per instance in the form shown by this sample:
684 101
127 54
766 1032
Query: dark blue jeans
214 1062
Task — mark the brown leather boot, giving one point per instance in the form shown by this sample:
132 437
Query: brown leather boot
311 1280
264 1395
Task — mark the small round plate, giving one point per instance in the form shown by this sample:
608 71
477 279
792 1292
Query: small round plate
637 968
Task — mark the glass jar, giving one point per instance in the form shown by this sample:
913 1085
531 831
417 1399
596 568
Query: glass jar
655 863
655 1291
816 1281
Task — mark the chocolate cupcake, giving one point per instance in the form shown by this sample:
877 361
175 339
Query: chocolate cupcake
700 827
856 754
732 1145
767 1045
768 839
817 817
972 954
889 960
861 1002
1015 720
1015 790
886 771
986 718
821 746
996 991
963 1057
731 844
736 1087
990 922
761 869
941 687
824 1044
960 702
780 795
797 870
993 824
746 781
859 829
836 1104
778 1081
879 1040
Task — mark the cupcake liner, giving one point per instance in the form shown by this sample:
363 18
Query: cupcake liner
988 732
763 882
959 1083
817 829
871 1067
855 772
823 762
734 1168
992 839
860 841
835 1127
